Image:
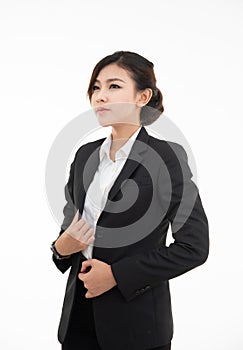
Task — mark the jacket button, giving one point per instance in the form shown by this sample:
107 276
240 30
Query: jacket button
147 287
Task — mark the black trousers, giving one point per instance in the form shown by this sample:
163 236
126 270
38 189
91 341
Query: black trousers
81 333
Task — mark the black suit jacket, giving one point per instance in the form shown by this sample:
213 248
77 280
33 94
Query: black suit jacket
136 314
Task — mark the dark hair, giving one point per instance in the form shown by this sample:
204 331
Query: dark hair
142 72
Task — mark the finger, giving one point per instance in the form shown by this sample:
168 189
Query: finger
84 268
82 236
91 240
74 235
86 264
76 232
83 223
80 229
85 229
75 218
89 234
89 295
80 276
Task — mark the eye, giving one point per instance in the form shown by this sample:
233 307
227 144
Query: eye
115 86
95 87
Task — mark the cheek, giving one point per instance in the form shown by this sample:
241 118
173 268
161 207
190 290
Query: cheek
92 100
123 109
124 96
121 95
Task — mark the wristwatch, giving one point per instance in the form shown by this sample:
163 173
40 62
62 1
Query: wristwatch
56 254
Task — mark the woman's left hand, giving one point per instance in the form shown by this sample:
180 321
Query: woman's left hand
98 279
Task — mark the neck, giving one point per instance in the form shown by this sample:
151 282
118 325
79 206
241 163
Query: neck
120 134
123 132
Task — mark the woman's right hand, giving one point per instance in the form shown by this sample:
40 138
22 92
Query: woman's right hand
77 237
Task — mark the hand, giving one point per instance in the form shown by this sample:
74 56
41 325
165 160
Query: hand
98 279
77 237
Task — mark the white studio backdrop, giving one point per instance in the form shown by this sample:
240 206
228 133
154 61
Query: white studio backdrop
48 51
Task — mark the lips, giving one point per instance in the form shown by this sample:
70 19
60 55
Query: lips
101 109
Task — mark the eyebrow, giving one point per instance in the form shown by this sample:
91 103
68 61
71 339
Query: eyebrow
111 79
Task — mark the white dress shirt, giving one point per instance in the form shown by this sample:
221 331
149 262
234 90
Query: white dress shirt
102 182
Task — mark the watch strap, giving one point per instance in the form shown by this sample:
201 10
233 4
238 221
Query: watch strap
56 254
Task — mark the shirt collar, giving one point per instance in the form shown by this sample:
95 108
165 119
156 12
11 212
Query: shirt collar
123 152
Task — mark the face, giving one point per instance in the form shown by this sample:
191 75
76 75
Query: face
115 98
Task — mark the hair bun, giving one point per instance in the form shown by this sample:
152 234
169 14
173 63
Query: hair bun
155 91
153 109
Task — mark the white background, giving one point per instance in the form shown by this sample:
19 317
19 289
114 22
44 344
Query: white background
48 51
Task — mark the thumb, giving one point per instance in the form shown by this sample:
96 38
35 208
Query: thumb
85 264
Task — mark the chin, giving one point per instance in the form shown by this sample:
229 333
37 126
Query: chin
104 123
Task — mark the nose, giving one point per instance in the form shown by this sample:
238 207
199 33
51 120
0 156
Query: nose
101 96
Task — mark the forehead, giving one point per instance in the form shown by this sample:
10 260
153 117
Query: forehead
113 71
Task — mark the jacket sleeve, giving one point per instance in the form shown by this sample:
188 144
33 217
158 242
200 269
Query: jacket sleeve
69 212
189 226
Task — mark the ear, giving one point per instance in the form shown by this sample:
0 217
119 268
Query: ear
144 97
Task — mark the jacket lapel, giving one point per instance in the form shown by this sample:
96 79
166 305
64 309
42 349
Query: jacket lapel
92 163
133 161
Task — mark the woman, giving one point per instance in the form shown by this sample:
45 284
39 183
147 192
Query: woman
122 194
